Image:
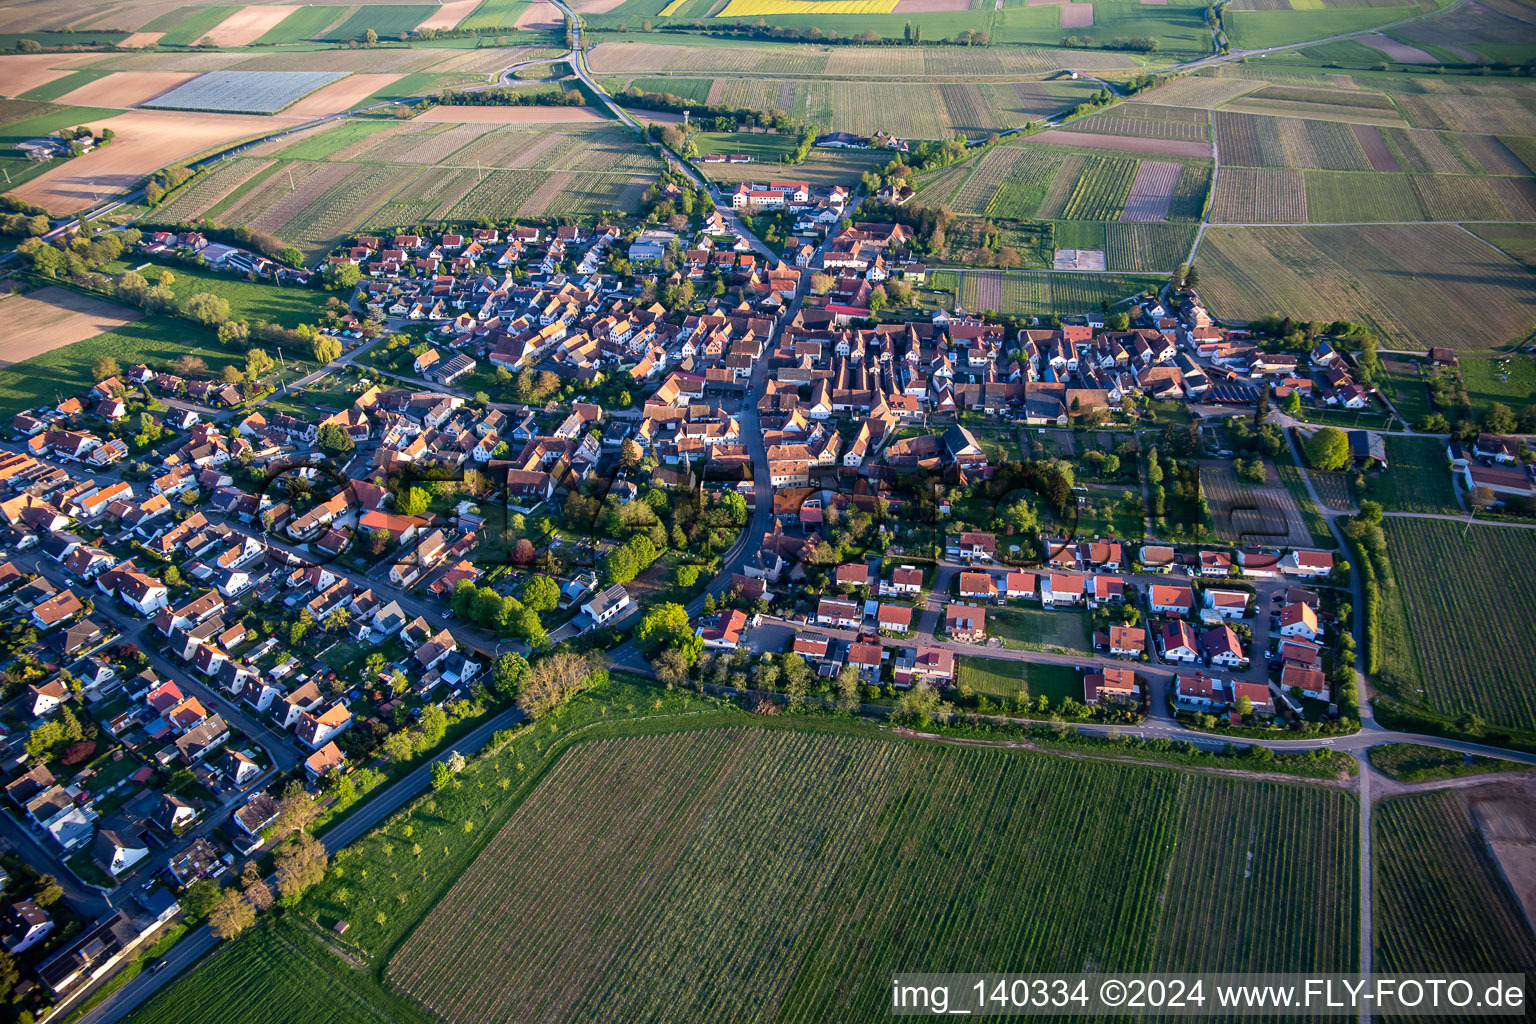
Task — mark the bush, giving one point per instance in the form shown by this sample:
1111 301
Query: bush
78 752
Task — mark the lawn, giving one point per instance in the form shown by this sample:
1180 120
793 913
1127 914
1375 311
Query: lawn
1417 478
763 149
53 376
287 305
995 677
1456 617
1040 629
1441 902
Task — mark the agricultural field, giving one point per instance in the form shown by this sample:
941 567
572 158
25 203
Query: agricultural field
312 189
385 19
1101 192
1253 514
1029 293
244 92
1146 247
821 168
839 818
1406 281
1259 195
1442 902
1461 597
1007 182
50 376
1418 478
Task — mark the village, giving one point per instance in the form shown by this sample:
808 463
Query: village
290 595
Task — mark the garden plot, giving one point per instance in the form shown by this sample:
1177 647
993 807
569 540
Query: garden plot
1152 192
246 92
1258 514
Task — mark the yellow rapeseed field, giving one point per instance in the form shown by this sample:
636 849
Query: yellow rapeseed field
758 8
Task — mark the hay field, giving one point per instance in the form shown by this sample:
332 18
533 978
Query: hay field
146 141
1406 281
51 318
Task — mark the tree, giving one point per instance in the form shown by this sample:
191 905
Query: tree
1481 497
398 747
293 256
370 37
671 667
341 276
104 367
541 594
412 501
199 898
553 680
9 975
325 348
301 863
1500 419
231 915
1327 449
208 309
666 626
231 374
258 363
630 453
296 811
1292 403
507 673
49 891
848 690
256 889
131 287
190 366
335 439
442 775
234 333
1118 322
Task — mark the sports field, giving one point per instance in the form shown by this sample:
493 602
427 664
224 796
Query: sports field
1469 597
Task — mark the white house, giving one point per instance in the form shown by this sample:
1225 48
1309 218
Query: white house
1298 619
606 605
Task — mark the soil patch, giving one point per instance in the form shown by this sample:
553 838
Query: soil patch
51 318
126 88
342 95
248 25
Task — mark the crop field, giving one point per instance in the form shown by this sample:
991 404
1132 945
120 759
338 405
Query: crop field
1007 182
1340 197
821 167
1404 280
1469 599
947 62
1146 247
1252 513
1259 195
385 19
1017 293
1101 192
1441 902
648 904
243 92
155 340
188 25
1146 120
304 23
1152 192
1199 91
321 143
193 200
